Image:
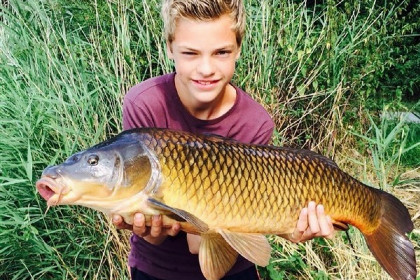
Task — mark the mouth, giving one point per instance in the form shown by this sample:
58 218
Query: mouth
47 188
206 83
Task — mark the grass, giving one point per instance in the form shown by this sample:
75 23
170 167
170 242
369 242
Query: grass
388 144
58 95
64 69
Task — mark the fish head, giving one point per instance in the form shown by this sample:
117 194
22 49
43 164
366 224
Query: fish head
99 177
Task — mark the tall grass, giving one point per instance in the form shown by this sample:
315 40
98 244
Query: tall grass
61 91
309 64
388 142
64 69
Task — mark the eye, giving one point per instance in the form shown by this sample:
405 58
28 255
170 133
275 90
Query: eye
224 52
93 160
188 53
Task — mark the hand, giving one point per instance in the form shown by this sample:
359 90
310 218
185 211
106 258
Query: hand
155 234
312 223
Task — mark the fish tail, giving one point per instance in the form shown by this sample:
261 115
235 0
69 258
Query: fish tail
389 242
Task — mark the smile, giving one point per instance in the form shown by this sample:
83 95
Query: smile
205 83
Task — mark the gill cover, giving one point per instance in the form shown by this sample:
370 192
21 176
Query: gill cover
117 162
121 161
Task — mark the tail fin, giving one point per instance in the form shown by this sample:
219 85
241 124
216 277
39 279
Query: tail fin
389 243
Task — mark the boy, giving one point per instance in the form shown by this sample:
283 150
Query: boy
204 40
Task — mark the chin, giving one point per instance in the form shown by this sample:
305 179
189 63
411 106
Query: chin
206 96
206 100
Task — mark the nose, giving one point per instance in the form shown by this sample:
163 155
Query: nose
205 67
51 171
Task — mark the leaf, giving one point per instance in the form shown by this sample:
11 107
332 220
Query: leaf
315 84
300 54
301 90
28 165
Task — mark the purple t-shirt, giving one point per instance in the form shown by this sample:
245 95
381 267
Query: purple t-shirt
155 103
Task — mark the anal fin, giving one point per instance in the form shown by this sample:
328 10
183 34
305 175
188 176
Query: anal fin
252 246
216 256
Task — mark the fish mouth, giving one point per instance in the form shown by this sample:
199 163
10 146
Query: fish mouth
48 188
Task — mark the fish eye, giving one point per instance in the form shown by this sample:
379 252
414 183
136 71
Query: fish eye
93 160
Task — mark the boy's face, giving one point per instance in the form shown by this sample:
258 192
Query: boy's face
204 53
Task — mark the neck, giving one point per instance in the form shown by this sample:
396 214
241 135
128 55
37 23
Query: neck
214 109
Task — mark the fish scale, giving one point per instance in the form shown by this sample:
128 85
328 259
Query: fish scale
247 187
230 193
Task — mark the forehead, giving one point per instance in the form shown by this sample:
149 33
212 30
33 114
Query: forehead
213 33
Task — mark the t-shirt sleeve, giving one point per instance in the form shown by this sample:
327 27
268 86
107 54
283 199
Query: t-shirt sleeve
135 115
265 134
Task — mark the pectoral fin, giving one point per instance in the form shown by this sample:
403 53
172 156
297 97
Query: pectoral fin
216 256
254 247
182 215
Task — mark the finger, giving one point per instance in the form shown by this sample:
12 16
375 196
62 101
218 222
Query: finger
307 235
302 223
324 224
118 221
174 230
301 226
139 225
331 230
312 218
322 221
156 228
326 228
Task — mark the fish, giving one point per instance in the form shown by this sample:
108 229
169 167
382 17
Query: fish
232 194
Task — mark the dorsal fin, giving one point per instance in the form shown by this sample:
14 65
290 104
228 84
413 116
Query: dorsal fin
217 138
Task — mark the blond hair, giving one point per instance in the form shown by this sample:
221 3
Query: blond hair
203 10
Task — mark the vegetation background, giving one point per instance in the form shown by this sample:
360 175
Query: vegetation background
331 73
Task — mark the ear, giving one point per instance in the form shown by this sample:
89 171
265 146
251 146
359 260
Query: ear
169 50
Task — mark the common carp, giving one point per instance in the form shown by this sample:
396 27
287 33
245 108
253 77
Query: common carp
230 193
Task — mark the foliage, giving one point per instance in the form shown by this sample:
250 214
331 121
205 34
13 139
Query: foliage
59 94
388 143
321 63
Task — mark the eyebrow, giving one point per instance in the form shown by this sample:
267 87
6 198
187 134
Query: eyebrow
230 46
